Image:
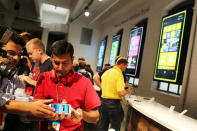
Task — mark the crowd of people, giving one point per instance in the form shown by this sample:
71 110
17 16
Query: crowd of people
31 80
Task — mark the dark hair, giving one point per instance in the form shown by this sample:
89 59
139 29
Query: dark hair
107 64
26 36
88 65
12 35
82 64
122 60
17 39
61 47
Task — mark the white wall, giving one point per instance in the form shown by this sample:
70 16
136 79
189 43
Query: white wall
80 50
126 17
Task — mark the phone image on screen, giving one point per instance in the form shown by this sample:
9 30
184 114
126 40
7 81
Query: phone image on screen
61 107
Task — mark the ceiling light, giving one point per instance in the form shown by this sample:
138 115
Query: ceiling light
86 13
100 0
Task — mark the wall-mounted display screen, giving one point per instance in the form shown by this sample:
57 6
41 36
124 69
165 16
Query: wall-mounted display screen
134 51
170 47
114 49
101 55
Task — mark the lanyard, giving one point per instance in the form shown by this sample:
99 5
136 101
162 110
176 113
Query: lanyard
62 94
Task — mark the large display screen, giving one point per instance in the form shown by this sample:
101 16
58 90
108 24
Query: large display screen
101 55
170 46
114 49
134 51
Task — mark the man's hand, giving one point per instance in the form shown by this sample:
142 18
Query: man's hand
40 109
27 79
63 115
124 92
129 91
76 115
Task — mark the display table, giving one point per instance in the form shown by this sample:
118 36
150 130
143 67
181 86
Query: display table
161 114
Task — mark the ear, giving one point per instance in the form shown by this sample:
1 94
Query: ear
122 66
40 51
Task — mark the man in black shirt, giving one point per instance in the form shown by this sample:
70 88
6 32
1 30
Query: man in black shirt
41 62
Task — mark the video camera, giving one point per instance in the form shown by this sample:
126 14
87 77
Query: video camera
5 70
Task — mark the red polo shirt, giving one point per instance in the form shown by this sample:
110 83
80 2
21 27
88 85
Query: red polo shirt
79 94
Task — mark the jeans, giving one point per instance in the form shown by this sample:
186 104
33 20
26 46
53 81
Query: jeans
111 112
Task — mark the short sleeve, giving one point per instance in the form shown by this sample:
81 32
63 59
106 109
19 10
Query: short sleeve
91 98
4 98
50 65
120 83
47 66
19 90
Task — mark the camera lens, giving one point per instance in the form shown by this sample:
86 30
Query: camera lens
6 70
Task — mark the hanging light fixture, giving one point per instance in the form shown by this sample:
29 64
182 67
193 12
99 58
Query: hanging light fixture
86 13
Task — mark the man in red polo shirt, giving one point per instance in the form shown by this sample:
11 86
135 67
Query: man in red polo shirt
63 84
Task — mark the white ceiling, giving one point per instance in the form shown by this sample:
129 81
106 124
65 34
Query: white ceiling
30 9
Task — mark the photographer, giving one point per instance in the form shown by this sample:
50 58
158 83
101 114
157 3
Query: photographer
11 87
25 65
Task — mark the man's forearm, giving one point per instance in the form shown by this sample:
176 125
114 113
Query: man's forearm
30 81
97 81
124 92
15 107
38 109
91 116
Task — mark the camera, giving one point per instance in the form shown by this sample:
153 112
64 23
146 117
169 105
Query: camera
23 60
22 65
6 70
3 53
